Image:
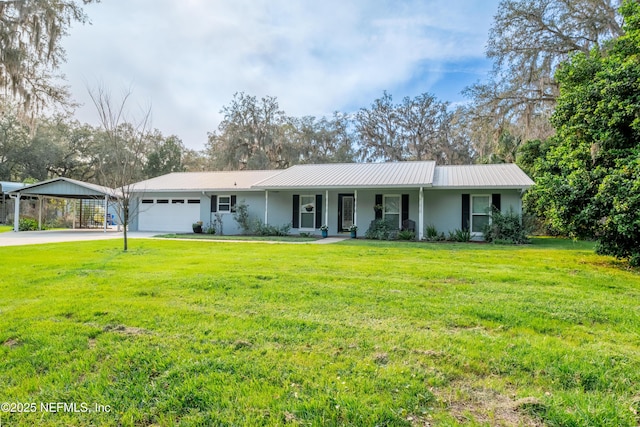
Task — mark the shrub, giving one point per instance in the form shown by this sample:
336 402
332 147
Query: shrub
381 229
261 229
506 228
406 235
432 235
27 224
241 216
458 235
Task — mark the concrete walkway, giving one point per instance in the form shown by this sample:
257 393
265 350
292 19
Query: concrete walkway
11 238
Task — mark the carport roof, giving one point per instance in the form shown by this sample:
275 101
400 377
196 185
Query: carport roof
66 188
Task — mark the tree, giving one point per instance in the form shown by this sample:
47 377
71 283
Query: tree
527 42
419 128
14 138
251 136
123 155
164 157
324 140
587 183
30 36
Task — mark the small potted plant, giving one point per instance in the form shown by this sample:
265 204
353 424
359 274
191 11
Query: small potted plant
325 230
197 227
308 207
354 231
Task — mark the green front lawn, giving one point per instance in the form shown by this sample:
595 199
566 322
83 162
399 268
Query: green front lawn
5 228
355 333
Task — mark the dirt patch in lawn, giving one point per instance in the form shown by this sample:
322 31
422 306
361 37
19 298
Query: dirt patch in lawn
482 405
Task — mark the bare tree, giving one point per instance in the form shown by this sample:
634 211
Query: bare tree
124 151
528 40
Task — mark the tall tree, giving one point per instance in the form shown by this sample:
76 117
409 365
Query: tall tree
324 140
165 156
417 129
251 135
527 41
588 184
30 36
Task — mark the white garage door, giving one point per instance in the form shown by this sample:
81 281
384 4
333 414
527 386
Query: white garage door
175 215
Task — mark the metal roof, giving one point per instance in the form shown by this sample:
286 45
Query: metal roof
205 181
67 188
7 187
352 175
506 175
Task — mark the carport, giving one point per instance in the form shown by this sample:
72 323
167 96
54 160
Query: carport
62 188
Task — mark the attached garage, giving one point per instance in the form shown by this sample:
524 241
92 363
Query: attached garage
168 214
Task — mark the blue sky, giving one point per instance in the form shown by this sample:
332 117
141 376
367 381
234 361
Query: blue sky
185 59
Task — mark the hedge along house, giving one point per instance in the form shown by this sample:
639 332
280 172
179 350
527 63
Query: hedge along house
410 194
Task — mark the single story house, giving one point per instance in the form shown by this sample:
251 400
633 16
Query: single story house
338 195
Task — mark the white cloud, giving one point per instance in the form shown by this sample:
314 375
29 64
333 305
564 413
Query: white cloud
188 57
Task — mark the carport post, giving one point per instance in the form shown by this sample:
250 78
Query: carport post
40 202
106 211
266 207
16 213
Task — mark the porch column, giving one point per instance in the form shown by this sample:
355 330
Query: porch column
106 211
355 207
16 213
40 203
326 207
421 215
266 207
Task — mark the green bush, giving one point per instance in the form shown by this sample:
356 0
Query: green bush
458 235
261 229
506 228
27 224
406 235
381 229
241 216
432 235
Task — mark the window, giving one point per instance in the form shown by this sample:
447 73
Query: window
177 201
147 201
193 201
480 212
391 209
224 203
307 212
163 201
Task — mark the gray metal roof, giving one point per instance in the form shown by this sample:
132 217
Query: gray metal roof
352 175
7 187
507 175
205 181
66 187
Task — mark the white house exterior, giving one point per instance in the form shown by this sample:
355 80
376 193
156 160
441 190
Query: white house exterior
338 195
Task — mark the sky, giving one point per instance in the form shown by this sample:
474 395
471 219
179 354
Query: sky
185 59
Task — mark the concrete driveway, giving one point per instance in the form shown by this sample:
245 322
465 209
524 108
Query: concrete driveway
11 238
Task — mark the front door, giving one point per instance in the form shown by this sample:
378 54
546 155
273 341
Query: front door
346 209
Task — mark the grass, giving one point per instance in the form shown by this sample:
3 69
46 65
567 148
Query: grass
204 236
354 333
5 228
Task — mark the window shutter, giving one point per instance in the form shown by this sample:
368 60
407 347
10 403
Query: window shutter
466 211
495 201
379 203
214 203
295 220
405 207
318 210
234 199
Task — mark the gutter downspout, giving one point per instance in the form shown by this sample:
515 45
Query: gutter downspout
266 207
